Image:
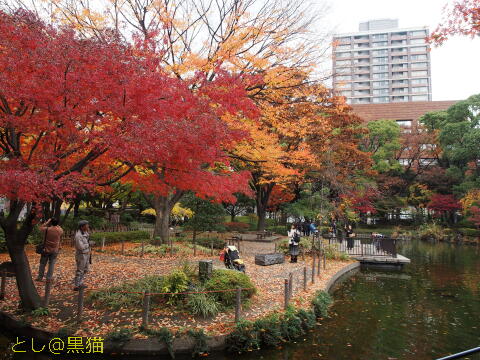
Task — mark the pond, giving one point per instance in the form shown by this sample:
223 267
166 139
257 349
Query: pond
430 309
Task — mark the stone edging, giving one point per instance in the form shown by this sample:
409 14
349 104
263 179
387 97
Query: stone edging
181 345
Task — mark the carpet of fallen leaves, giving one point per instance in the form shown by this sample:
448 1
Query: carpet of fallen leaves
110 268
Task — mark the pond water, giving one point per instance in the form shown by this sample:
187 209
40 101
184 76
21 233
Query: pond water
428 310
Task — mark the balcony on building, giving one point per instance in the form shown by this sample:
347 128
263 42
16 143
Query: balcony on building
398 35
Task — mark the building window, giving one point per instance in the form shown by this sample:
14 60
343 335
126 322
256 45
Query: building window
361 45
399 98
342 55
427 162
421 89
343 70
400 82
379 84
361 92
380 91
418 33
361 37
399 66
344 77
379 36
420 98
343 47
361 84
404 123
419 65
400 74
417 41
379 43
343 85
362 77
381 99
429 147
418 49
361 101
398 42
399 58
379 52
343 63
361 53
380 60
419 81
418 57
361 61
346 93
362 69
380 67
400 90
380 75
419 73
345 39
404 162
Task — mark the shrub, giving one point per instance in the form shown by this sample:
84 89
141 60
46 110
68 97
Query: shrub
166 336
243 338
126 295
305 244
291 325
119 336
332 253
201 346
160 250
321 302
236 226
431 231
203 305
112 237
308 318
268 330
229 279
175 282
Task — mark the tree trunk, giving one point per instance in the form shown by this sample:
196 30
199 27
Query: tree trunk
262 196
163 206
15 240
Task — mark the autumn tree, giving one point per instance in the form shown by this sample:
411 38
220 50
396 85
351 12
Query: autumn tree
462 17
444 206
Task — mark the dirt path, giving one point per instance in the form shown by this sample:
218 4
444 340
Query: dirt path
109 270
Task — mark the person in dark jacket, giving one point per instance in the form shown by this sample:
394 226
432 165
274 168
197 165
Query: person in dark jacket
349 234
51 247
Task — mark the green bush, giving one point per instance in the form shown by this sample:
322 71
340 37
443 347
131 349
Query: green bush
332 253
175 282
268 330
321 303
203 305
119 336
113 237
236 226
229 279
308 318
200 347
431 231
305 244
291 325
243 338
127 294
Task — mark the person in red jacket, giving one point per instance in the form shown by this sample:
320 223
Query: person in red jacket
52 234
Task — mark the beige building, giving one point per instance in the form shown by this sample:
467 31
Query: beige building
382 63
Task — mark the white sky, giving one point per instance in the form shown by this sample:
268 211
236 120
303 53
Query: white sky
455 65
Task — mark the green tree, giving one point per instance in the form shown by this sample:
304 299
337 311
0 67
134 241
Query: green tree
458 132
383 141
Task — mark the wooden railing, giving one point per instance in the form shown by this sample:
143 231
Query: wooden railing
365 245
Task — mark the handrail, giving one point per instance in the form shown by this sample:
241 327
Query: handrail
461 354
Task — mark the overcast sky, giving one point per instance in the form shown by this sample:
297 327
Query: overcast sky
455 65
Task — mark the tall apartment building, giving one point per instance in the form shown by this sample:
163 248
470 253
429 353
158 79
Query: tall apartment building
382 63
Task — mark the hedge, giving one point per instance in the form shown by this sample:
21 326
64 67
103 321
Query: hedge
112 237
206 242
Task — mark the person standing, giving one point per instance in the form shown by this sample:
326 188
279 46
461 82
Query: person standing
82 253
294 243
350 235
51 246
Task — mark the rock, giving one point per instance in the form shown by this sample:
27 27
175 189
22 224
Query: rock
269 259
205 268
